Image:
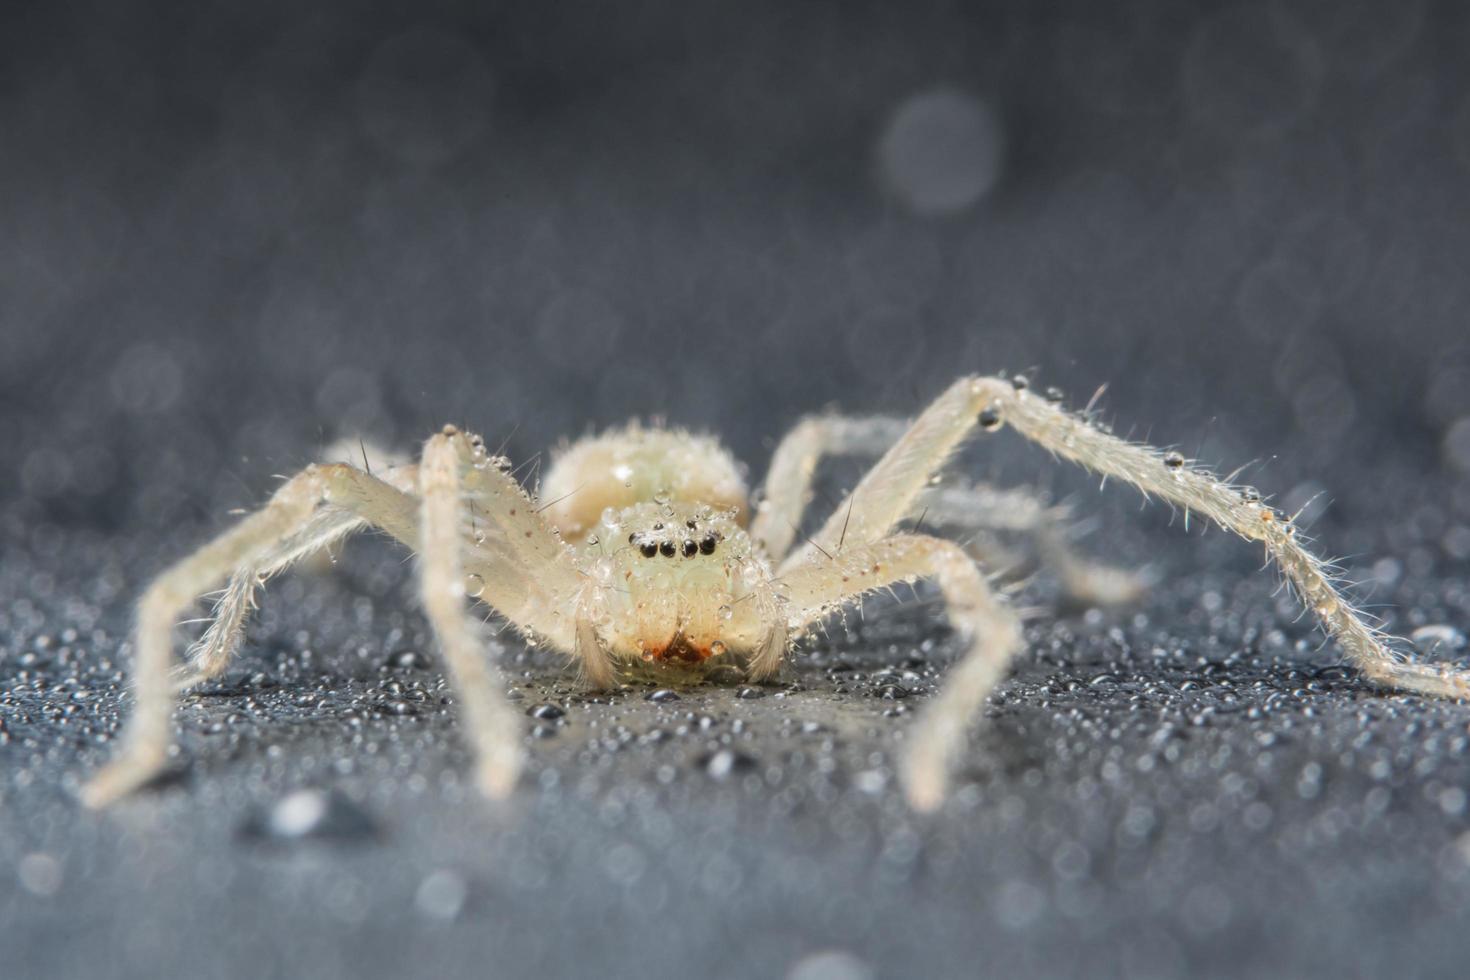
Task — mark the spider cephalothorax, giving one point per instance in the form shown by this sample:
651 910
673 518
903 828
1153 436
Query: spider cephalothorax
672 582
647 554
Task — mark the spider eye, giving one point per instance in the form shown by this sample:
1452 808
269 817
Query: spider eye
690 524
690 548
707 544
666 548
649 549
659 526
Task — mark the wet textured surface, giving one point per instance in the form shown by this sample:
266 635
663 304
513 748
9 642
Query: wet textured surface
235 238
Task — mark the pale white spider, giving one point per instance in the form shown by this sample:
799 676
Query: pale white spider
642 556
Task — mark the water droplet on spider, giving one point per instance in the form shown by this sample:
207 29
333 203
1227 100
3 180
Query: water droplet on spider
474 586
1054 395
990 419
717 648
727 611
661 496
1174 461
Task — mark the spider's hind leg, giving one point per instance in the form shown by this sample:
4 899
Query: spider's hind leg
983 510
269 538
208 658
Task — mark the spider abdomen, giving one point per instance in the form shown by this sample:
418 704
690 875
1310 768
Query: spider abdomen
635 465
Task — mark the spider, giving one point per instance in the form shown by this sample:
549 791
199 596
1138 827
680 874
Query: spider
647 555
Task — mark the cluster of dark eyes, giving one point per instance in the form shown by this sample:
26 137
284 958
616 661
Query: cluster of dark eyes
668 547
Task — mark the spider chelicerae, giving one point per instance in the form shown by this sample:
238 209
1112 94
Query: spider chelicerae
643 550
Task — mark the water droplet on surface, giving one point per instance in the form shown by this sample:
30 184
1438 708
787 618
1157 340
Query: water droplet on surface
834 964
546 711
726 762
39 874
474 586
662 696
313 813
441 895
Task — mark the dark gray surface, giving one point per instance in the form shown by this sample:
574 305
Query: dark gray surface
232 235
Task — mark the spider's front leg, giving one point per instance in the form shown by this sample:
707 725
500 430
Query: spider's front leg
290 526
991 629
888 491
494 729
482 533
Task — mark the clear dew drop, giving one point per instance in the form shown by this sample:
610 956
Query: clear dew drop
474 586
727 611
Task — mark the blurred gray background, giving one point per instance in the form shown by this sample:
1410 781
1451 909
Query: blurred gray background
231 234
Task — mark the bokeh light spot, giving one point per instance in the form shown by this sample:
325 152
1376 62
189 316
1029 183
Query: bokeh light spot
424 97
941 152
